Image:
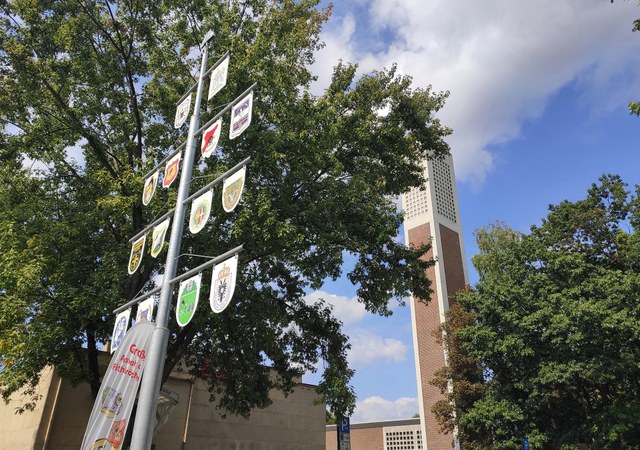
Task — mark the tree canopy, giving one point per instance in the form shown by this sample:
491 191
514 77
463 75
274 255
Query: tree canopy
87 98
556 329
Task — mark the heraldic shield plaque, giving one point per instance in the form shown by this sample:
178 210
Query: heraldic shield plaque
210 138
188 300
200 211
159 232
149 188
182 112
232 189
137 251
223 284
171 171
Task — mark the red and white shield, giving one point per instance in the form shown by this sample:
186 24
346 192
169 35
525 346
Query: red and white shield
210 138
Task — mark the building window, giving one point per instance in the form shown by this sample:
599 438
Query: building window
406 437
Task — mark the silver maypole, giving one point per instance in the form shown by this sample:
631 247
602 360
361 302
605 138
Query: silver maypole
152 378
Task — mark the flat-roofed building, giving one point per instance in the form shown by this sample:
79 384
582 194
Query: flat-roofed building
403 434
58 422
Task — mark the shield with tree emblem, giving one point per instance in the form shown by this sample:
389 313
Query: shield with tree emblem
188 300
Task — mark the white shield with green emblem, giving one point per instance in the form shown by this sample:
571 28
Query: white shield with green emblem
200 210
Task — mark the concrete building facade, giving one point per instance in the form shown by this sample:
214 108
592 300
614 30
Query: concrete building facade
432 216
58 422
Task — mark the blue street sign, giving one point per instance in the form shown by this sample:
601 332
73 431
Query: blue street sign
525 444
345 426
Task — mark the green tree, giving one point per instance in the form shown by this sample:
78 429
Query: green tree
557 326
461 380
101 79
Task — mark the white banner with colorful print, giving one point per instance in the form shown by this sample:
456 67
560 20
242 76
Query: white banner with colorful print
112 409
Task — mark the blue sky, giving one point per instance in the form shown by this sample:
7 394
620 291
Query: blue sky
538 103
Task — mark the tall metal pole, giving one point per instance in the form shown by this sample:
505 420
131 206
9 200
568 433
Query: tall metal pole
152 378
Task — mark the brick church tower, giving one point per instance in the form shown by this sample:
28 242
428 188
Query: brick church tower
432 215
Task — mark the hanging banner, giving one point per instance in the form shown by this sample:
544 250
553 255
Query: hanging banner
182 111
232 189
119 329
210 138
223 284
200 210
112 409
149 188
137 251
218 78
145 310
159 232
188 300
171 170
241 116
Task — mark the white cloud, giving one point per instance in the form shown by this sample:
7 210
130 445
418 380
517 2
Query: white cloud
501 61
348 310
367 348
377 408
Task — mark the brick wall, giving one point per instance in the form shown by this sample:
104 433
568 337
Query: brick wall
427 314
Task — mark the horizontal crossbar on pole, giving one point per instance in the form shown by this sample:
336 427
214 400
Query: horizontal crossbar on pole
202 128
152 224
200 268
226 108
192 88
130 303
164 160
217 180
